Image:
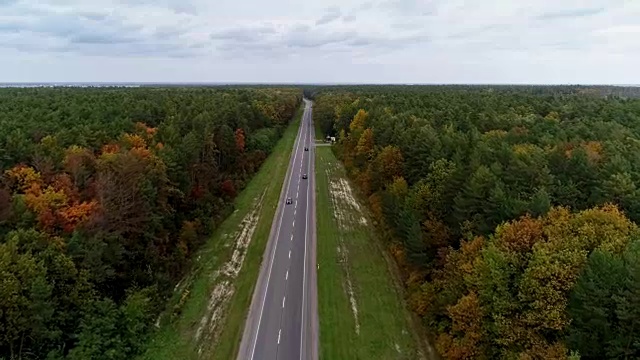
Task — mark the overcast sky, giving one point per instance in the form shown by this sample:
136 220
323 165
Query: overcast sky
345 41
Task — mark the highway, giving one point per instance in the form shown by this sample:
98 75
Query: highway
283 319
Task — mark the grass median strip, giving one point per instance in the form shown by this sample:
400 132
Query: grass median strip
214 298
361 314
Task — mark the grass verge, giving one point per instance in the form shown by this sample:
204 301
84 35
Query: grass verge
361 313
214 298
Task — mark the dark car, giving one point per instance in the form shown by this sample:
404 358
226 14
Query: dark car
306 148
304 176
288 200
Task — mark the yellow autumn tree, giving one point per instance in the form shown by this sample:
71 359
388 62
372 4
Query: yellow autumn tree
22 178
359 120
364 149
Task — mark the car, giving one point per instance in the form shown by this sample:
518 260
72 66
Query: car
289 200
304 176
306 148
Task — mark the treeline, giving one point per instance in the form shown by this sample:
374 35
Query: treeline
104 196
510 210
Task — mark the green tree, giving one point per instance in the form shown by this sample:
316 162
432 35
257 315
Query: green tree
25 306
604 306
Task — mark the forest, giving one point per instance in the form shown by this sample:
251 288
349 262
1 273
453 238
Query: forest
105 194
510 211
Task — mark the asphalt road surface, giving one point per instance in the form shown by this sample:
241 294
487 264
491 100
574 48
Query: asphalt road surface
283 319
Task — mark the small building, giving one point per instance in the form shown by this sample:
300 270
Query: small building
331 139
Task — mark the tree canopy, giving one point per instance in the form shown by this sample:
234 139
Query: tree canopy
511 210
104 196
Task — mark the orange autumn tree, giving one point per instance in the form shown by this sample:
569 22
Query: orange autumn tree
41 200
121 181
77 214
145 131
467 324
46 203
110 148
56 205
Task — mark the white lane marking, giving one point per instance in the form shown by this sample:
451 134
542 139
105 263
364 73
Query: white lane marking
286 277
289 258
291 236
264 298
294 222
294 212
279 331
283 301
304 267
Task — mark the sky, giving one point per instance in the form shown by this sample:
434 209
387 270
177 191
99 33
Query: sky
324 41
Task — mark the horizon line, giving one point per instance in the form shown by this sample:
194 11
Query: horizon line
299 83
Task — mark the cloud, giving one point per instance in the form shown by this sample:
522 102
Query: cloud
306 39
331 15
178 6
95 16
301 39
299 28
480 30
412 40
243 34
621 29
411 7
9 27
167 33
264 40
367 5
134 49
70 26
571 13
101 39
92 32
349 18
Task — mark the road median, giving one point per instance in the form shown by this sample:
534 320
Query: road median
361 313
